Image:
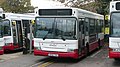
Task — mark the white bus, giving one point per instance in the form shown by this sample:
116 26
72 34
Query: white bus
67 32
114 39
16 30
1 33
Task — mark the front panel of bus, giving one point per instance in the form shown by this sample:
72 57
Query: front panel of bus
7 33
114 39
56 36
1 37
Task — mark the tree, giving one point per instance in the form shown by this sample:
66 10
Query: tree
62 1
17 6
98 6
1 1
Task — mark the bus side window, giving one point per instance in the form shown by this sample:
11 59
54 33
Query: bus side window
86 26
14 32
81 25
14 27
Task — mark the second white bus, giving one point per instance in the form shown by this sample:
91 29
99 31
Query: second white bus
16 30
1 33
67 32
114 39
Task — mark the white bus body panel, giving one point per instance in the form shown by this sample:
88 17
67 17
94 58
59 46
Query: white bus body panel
114 42
57 45
8 39
14 16
2 42
86 40
1 11
101 36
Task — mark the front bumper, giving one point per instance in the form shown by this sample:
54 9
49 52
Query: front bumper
60 54
1 52
114 54
8 47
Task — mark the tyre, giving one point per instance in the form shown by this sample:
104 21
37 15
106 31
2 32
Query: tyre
117 59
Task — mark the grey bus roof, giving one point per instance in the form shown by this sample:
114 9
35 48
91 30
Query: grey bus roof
15 16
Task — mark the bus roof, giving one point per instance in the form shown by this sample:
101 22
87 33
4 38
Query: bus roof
79 13
1 11
15 16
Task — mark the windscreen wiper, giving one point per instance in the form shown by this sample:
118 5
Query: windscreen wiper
62 38
45 36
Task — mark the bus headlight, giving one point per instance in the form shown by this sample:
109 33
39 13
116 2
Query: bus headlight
110 49
6 44
70 50
37 48
116 50
73 50
0 48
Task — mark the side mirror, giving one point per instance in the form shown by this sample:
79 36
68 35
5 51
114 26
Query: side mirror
13 23
33 22
3 16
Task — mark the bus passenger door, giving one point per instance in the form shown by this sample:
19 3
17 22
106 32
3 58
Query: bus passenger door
14 31
81 35
26 32
19 33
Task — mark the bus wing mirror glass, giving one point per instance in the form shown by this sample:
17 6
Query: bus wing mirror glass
14 23
33 22
3 16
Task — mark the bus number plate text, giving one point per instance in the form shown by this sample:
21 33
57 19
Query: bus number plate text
54 55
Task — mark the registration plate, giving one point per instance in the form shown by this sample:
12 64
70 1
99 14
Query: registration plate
116 50
54 55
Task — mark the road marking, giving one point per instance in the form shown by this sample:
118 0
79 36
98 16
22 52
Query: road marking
1 60
96 53
36 64
42 64
11 56
46 64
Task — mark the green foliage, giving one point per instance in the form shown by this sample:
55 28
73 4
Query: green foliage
1 1
17 6
90 6
106 0
99 6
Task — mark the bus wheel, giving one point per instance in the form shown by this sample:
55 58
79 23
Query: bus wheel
117 59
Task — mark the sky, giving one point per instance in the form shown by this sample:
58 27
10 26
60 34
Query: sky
44 3
50 3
